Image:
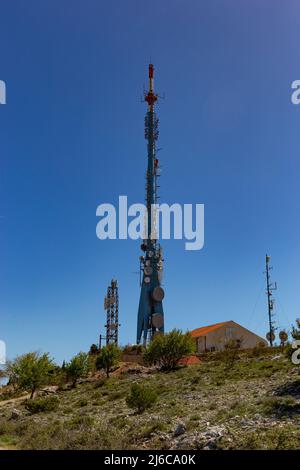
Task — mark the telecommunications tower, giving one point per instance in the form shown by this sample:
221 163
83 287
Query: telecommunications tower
111 305
269 291
150 313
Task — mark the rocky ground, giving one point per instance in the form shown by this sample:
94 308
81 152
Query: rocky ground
253 403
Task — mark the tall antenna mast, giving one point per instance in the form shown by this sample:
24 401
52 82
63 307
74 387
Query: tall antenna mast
150 314
269 291
111 305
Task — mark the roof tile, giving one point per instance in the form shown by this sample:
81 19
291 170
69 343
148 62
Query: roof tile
207 329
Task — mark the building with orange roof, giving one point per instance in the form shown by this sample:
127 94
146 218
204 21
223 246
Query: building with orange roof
216 337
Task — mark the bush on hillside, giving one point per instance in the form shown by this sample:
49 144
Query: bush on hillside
93 349
166 350
141 397
230 353
295 333
78 367
108 358
30 372
40 405
133 349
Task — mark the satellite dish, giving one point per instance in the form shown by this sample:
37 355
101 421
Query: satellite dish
158 294
150 254
283 336
157 320
148 270
270 336
147 262
147 280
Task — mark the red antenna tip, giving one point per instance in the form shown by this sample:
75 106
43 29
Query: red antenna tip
151 70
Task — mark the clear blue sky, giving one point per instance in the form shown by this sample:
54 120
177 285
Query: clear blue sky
71 137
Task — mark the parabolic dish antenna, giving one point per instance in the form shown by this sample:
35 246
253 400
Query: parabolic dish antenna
157 320
158 294
270 336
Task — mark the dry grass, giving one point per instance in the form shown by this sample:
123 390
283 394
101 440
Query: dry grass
257 401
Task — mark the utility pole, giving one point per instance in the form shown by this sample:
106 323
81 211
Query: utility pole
269 291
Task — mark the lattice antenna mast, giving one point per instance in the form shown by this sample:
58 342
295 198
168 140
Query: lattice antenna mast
151 135
111 305
270 287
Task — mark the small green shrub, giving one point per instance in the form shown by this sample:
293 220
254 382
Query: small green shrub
93 349
166 350
81 422
147 431
82 403
78 367
230 354
108 358
259 350
133 349
116 395
195 418
5 428
42 405
270 439
279 406
195 380
100 383
7 394
141 397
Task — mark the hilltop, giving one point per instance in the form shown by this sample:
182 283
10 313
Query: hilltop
253 405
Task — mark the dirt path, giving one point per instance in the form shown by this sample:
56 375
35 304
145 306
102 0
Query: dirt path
13 400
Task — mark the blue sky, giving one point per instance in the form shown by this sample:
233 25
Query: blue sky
71 137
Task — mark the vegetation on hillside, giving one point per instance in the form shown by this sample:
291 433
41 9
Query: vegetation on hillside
78 367
296 330
253 404
166 350
108 358
30 372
